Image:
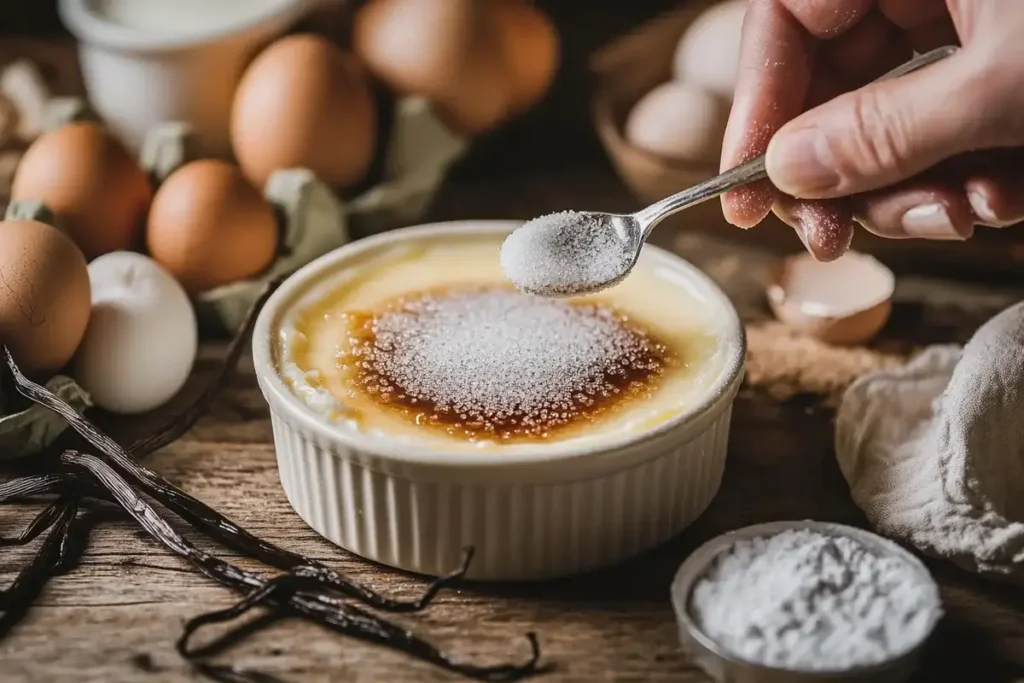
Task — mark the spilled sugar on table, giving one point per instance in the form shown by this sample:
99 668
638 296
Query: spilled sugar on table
116 617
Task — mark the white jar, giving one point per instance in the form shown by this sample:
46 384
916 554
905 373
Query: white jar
146 62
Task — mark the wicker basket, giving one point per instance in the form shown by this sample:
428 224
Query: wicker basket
633 64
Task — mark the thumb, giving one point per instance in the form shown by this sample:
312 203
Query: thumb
883 133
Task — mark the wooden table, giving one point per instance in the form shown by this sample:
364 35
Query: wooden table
117 616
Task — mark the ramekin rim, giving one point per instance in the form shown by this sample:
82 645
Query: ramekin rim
289 407
82 21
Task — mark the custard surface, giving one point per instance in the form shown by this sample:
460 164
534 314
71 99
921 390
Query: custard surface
318 351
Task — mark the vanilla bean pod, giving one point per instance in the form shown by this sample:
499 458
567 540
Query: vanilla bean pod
43 521
34 485
31 581
210 521
292 593
16 600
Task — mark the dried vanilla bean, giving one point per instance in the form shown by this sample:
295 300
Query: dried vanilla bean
33 578
35 485
294 593
216 525
18 598
43 521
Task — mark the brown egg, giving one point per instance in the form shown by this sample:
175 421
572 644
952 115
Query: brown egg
303 103
45 299
449 51
531 48
96 190
843 302
208 226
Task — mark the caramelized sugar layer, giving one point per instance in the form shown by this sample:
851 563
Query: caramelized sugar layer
492 363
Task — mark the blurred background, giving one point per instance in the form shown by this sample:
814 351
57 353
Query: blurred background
557 132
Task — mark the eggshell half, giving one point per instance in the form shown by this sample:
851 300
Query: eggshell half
843 302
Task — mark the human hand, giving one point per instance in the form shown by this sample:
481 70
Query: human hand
927 155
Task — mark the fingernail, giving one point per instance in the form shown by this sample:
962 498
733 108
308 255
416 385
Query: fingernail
983 210
930 222
800 163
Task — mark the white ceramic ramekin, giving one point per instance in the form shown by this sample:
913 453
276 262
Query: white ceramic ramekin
136 80
538 514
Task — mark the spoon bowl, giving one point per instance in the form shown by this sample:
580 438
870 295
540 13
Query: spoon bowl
572 252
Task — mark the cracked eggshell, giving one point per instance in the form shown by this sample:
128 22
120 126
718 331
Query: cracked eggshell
142 337
844 302
44 296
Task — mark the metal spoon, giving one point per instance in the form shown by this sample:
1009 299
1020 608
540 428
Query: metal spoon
553 255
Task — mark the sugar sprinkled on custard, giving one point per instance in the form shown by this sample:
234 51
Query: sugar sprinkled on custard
495 363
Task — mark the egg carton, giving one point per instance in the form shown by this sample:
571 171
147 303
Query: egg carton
314 220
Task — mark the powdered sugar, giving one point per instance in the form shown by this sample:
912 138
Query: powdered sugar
805 600
501 362
566 254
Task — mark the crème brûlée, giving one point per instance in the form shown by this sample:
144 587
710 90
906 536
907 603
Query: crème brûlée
427 343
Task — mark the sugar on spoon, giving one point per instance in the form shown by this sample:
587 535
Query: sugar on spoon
573 253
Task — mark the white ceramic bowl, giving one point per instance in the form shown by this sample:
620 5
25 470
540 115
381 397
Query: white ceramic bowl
538 514
136 79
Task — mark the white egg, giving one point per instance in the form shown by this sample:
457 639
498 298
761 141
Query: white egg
142 337
708 54
678 122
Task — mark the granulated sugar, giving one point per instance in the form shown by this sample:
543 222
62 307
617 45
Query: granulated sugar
495 361
804 600
565 254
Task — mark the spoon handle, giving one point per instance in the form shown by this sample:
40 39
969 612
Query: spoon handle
754 170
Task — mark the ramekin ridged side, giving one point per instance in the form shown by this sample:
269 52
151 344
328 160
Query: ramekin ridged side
519 530
546 514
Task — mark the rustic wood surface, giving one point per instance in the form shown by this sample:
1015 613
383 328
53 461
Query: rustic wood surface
117 616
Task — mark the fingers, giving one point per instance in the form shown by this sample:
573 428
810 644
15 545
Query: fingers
977 190
823 19
997 201
775 69
825 227
883 133
908 14
868 50
932 210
